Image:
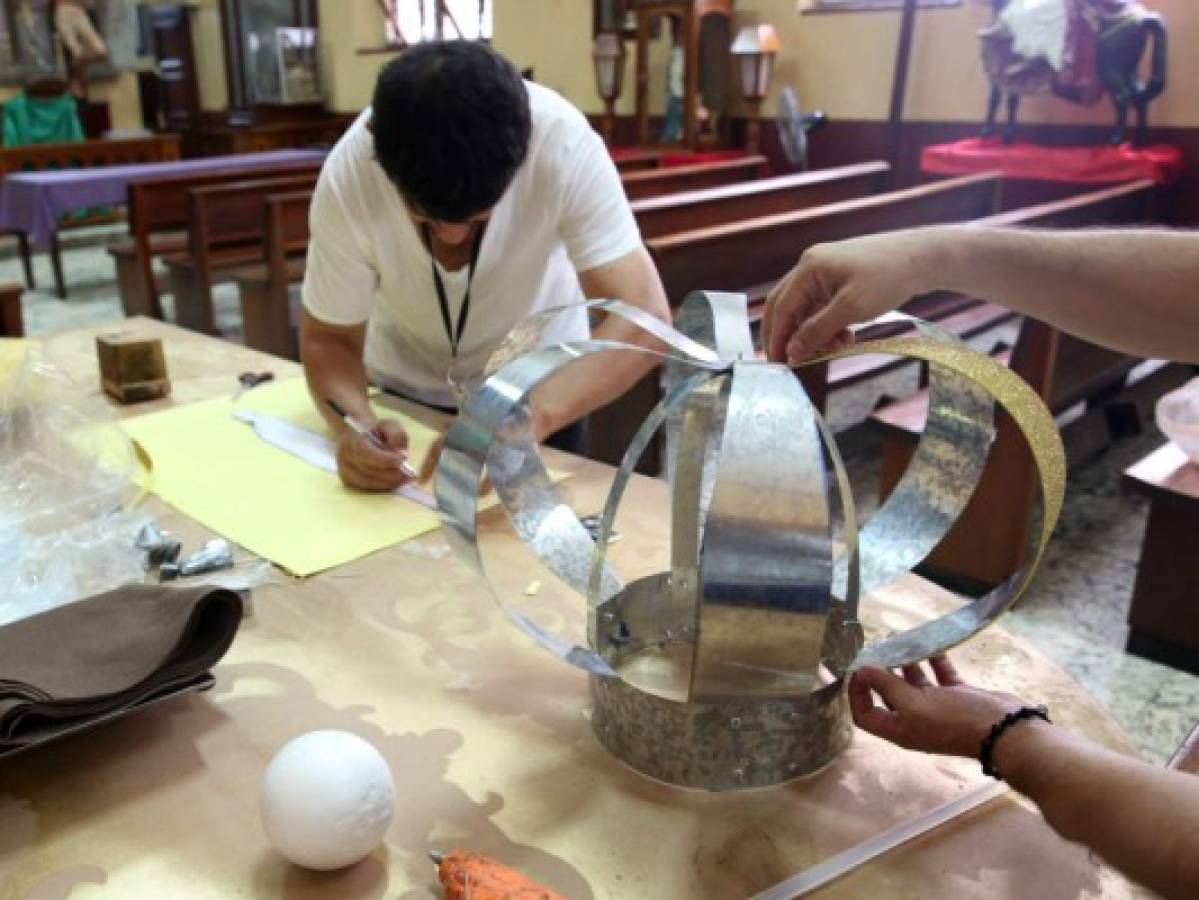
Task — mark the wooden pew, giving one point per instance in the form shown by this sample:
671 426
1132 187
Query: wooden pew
637 160
12 323
752 255
41 157
224 232
1163 617
158 217
673 213
737 256
672 180
265 288
984 547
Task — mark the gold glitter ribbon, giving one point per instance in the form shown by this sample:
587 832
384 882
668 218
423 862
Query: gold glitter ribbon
1022 404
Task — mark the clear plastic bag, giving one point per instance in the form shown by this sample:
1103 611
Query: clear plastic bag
68 524
1178 418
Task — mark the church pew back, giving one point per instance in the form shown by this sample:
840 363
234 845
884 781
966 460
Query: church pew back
637 160
264 289
105 152
736 256
671 213
158 217
225 230
673 179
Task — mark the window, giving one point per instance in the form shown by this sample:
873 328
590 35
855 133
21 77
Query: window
412 21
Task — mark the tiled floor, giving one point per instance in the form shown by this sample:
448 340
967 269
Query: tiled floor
1075 612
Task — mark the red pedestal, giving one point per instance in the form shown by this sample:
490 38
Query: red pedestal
1083 165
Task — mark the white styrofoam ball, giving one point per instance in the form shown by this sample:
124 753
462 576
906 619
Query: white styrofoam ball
326 799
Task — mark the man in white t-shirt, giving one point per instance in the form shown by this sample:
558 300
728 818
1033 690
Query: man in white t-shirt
462 202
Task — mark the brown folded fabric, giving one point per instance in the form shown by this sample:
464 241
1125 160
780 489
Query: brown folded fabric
64 668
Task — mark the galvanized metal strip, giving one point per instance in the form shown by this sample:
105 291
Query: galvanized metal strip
843 636
718 320
1040 430
947 464
766 557
729 745
714 319
526 335
492 431
456 475
698 455
596 593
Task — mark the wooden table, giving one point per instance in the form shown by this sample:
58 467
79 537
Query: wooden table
1164 616
489 743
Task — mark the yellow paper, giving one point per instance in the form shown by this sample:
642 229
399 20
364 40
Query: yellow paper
216 470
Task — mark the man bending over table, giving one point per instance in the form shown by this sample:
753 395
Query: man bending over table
463 201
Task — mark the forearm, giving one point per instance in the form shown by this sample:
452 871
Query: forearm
1132 290
594 381
334 371
1142 820
597 380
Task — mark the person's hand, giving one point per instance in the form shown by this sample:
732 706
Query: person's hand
364 466
948 717
835 286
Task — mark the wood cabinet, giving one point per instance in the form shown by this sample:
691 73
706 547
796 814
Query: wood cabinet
178 91
698 34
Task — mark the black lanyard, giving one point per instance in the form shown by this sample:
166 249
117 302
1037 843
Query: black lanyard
452 334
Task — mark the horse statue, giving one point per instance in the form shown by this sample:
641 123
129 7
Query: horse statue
1078 50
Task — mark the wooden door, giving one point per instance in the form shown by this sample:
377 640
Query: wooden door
179 88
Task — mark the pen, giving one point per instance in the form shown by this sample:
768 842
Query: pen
357 427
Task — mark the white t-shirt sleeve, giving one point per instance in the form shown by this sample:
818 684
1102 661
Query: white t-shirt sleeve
339 280
596 223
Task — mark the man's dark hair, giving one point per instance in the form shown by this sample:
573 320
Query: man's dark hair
451 123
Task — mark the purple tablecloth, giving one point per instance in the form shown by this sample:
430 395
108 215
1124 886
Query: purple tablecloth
33 202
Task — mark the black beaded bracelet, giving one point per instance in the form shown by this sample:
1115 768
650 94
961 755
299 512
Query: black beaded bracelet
987 749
